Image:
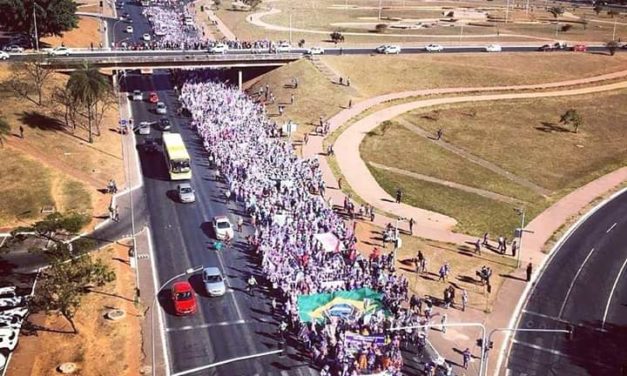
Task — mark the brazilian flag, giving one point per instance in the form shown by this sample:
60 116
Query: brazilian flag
342 304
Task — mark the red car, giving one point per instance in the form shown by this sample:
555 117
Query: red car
153 98
580 48
184 299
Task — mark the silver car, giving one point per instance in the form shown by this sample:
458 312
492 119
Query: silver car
143 128
137 95
213 280
186 192
161 109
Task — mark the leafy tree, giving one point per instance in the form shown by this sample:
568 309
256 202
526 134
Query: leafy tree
91 93
379 28
29 77
253 4
566 27
5 130
336 36
598 8
54 17
612 46
556 11
63 285
573 118
612 13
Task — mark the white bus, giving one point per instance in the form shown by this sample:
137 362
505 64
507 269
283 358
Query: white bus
176 157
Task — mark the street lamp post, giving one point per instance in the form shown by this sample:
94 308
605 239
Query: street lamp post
113 30
521 213
614 31
380 7
152 310
37 33
290 27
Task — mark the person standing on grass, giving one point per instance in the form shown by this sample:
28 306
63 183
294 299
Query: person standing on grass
466 357
21 132
485 240
529 271
514 248
443 322
438 134
399 195
464 299
292 99
350 103
478 246
411 226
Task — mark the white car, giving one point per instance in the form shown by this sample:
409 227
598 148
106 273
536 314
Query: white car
129 29
146 37
219 48
434 48
222 228
493 48
214 281
137 95
315 51
59 51
283 47
186 193
161 109
14 48
3 55
388 49
143 128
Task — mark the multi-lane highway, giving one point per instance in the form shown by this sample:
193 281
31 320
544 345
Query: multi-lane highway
584 285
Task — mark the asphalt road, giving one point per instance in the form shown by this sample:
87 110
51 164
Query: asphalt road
584 285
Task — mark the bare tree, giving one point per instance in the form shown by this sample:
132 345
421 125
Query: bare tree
28 79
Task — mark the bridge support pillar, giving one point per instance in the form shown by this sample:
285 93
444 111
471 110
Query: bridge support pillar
239 79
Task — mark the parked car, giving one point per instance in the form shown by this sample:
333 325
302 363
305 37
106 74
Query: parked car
129 29
186 193
153 97
137 95
150 145
14 48
316 51
3 55
165 124
218 48
143 128
580 48
283 47
59 51
146 37
388 49
493 48
222 228
161 109
214 281
183 298
434 48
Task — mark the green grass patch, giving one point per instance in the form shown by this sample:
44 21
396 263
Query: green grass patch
475 214
25 189
393 145
76 197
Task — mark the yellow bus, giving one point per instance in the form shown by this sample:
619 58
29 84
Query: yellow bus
176 157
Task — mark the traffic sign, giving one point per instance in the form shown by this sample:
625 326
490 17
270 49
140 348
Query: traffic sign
122 121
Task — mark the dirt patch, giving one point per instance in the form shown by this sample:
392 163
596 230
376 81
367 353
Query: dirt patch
86 33
102 347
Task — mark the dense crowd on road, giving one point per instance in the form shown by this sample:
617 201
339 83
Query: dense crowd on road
284 197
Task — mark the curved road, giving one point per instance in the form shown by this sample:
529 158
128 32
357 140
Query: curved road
584 285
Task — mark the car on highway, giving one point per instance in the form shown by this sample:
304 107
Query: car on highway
59 51
13 48
143 128
434 48
388 49
553 47
137 95
218 48
150 145
283 47
146 37
493 48
161 109
214 281
185 193
222 227
129 29
580 48
3 55
153 97
315 51
164 124
183 298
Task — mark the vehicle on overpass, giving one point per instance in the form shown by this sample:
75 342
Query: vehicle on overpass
283 47
59 51
315 51
553 47
434 48
218 48
3 55
388 49
580 48
493 48
176 157
183 298
14 48
222 227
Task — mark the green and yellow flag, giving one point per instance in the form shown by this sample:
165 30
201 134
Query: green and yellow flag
342 304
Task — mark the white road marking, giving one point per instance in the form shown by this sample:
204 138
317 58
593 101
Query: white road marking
572 283
555 352
3 240
208 325
611 228
542 315
609 300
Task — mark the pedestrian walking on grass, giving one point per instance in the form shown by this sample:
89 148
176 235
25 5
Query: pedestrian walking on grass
529 272
399 195
341 81
443 322
464 299
466 357
339 183
348 81
21 132
350 103
306 138
438 134
292 99
478 246
411 226
485 240
514 248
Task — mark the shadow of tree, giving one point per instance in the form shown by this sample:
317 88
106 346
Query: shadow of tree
549 127
37 120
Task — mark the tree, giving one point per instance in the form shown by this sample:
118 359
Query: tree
612 13
612 46
63 285
54 17
5 130
573 118
253 4
598 8
91 93
336 36
29 77
556 11
379 28
566 27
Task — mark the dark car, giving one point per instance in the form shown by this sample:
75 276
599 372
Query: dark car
164 124
546 47
14 48
150 145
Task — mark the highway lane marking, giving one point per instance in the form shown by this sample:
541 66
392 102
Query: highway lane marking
609 300
216 324
611 228
559 353
572 283
542 315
